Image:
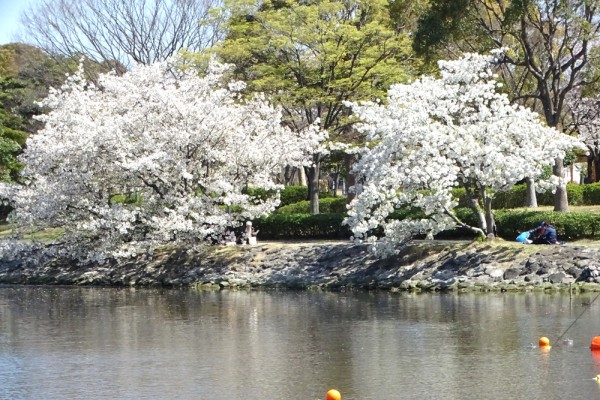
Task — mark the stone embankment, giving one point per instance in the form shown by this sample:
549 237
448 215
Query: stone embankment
423 266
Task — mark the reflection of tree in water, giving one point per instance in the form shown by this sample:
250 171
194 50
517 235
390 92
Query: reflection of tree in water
281 340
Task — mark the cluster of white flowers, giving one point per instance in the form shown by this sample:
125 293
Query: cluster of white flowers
585 113
436 134
183 147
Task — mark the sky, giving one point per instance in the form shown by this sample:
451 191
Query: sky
9 18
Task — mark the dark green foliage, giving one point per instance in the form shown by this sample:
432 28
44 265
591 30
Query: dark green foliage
413 213
569 226
460 194
260 193
515 11
12 136
289 195
575 195
513 198
466 215
293 194
579 195
591 193
302 226
334 205
294 222
444 22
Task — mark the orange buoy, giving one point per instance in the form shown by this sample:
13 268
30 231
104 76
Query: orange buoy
544 342
333 395
595 343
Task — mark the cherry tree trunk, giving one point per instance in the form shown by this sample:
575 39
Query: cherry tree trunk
312 174
561 202
479 213
349 161
530 195
490 229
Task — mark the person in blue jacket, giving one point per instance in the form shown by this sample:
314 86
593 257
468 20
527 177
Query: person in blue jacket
543 234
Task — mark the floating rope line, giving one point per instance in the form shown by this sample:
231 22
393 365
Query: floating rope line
579 316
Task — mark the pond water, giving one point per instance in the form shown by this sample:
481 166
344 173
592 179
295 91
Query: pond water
89 343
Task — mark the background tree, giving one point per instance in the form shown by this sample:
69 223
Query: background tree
119 32
585 121
188 146
436 134
12 135
313 56
20 88
26 74
550 43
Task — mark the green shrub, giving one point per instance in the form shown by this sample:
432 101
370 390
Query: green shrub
543 199
515 197
288 195
260 193
575 194
293 194
569 226
407 212
329 195
302 226
460 194
591 193
334 205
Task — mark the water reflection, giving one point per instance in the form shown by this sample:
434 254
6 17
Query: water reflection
58 343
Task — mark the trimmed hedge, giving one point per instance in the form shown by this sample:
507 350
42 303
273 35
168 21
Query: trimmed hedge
515 198
591 193
332 205
588 194
288 195
570 226
293 221
302 226
579 195
293 194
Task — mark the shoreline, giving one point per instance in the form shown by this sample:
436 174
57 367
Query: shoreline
423 266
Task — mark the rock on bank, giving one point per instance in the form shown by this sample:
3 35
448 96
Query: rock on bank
422 266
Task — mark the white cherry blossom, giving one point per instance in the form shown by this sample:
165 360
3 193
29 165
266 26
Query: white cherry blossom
437 134
182 147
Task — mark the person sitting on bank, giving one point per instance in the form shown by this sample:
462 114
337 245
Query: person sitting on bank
250 233
543 234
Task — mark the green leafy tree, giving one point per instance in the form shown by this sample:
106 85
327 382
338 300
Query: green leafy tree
12 136
312 56
26 74
550 46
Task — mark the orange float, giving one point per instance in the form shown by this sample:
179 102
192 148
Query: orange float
544 342
595 346
333 395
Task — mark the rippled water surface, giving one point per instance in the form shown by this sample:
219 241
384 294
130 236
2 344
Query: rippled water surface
89 343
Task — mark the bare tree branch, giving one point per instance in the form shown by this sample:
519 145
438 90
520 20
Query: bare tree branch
120 32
